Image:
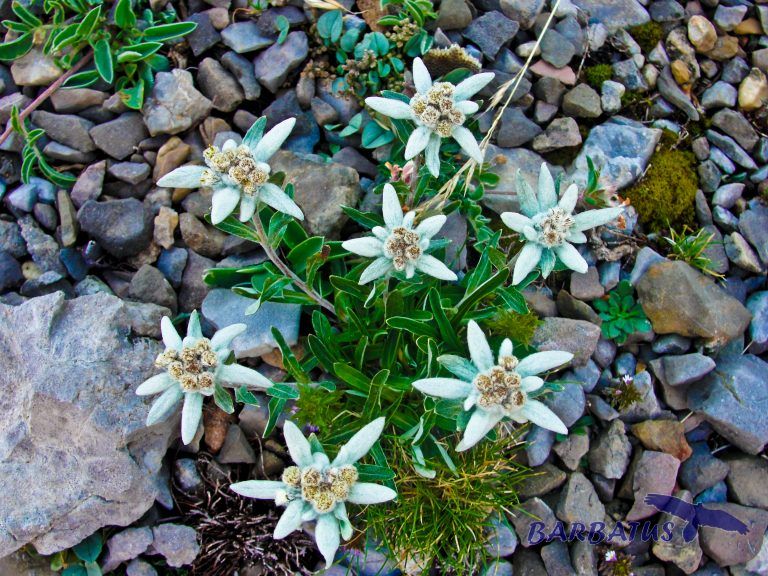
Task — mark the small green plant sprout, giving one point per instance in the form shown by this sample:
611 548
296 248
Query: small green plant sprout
81 560
240 174
125 48
317 488
624 395
493 391
621 314
692 248
32 158
439 110
594 195
195 367
549 228
398 246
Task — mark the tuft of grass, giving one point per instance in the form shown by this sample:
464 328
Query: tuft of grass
691 248
624 395
444 521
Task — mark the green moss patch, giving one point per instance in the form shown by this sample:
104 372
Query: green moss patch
597 74
647 35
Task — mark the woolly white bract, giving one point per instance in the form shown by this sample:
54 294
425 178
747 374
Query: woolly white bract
439 110
398 246
194 367
550 228
240 174
317 488
495 390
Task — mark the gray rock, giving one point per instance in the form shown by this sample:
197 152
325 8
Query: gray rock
730 548
561 133
672 92
610 452
709 176
655 473
186 475
242 69
620 149
583 558
753 225
719 95
538 445
203 37
176 543
35 69
119 137
682 370
572 450
505 163
68 129
727 195
610 98
582 102
43 249
728 17
740 253
557 49
556 559
757 304
568 404
495 568
130 172
747 479
245 37
122 227
126 545
732 400
23 198
74 410
525 12
702 470
575 336
546 479
491 31
679 300
149 285
586 286
219 86
273 65
732 149
193 288
579 502
735 125
685 555
236 448
453 15
502 540
10 272
629 75
140 568
615 14
145 317
175 105
320 189
516 129
223 307
530 511
89 183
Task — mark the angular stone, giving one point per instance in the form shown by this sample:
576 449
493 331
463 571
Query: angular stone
610 452
684 369
655 473
126 545
685 555
175 104
561 133
505 163
575 336
35 69
219 86
732 399
193 288
615 14
236 448
122 227
274 64
68 129
747 480
491 31
546 479
245 37
149 285
176 543
119 137
582 102
530 511
74 410
679 300
729 548
702 470
516 129
572 450
737 127
579 502
665 436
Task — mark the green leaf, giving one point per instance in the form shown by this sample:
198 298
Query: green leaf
102 56
444 326
485 289
223 399
16 48
330 25
137 52
352 376
283 26
349 287
82 79
89 22
283 391
374 473
374 135
89 549
165 32
299 256
290 363
417 327
134 97
124 16
365 219
245 396
25 15
373 403
276 406
349 39
75 570
92 569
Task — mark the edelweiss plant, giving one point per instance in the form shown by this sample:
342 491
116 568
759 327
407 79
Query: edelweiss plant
398 246
495 390
439 110
194 368
240 174
317 488
550 228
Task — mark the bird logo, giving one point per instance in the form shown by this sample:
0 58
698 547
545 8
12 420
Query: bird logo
695 515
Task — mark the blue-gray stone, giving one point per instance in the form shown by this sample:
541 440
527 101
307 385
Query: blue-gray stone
735 70
538 445
23 198
11 240
614 14
10 272
709 176
761 151
721 160
273 65
42 247
648 406
609 274
587 375
671 344
625 364
701 470
245 37
734 399
171 263
621 148
491 31
716 493
732 149
223 307
735 125
672 92
203 37
74 263
757 304
727 195
569 403
686 368
753 225
666 11
498 568
629 75
719 95
502 540
557 49
759 175
725 219
242 69
372 562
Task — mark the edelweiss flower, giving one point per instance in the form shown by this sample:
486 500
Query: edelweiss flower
495 390
317 489
439 110
398 246
193 368
239 174
550 228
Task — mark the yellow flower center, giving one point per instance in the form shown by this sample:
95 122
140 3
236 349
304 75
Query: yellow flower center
500 386
436 109
323 489
238 164
402 246
193 368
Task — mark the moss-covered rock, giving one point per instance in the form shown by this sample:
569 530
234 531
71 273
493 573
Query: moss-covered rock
597 74
647 35
665 196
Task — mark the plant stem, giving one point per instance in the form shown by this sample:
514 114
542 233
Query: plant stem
45 94
285 269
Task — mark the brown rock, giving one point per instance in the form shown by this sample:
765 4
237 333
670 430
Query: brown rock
728 548
216 423
665 436
165 224
725 48
171 155
203 239
701 33
753 91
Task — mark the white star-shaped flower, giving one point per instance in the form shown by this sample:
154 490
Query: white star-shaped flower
549 226
439 110
495 390
193 367
317 488
239 174
398 246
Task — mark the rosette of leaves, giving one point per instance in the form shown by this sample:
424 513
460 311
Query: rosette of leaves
81 559
125 48
622 315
